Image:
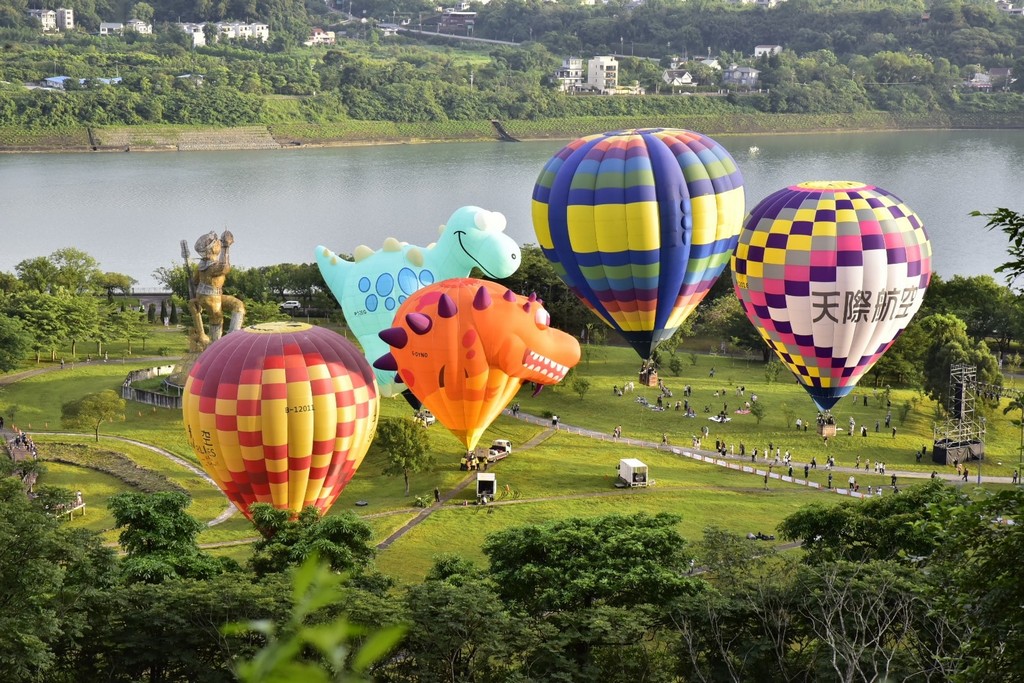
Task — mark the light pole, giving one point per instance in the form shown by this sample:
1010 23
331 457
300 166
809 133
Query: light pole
984 421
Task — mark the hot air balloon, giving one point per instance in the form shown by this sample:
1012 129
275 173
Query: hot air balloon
281 413
465 346
371 288
639 224
830 273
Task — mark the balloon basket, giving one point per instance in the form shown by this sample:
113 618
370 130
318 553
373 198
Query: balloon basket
649 378
827 429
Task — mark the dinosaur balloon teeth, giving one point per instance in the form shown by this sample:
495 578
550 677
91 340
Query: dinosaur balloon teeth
535 362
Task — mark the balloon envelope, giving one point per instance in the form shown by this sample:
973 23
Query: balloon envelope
830 273
372 287
281 413
465 346
639 224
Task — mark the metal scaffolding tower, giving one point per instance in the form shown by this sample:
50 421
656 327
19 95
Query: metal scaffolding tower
962 436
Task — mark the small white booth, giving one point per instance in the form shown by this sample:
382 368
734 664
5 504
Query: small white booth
486 487
633 472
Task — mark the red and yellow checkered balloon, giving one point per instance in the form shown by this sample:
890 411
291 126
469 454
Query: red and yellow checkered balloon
281 413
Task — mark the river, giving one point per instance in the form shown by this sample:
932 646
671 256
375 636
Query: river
130 210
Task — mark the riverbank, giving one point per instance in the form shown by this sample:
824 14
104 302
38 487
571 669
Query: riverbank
295 135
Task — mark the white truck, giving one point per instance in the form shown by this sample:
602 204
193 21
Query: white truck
499 450
632 472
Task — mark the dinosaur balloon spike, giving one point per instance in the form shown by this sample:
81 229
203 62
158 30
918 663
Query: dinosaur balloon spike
371 288
480 347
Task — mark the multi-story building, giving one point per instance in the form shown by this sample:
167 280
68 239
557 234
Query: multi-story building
570 75
603 74
65 18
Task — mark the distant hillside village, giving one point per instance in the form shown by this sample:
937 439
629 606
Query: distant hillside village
63 19
601 75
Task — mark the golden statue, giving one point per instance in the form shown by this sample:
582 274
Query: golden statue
205 287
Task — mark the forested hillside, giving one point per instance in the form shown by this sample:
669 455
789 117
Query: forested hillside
905 58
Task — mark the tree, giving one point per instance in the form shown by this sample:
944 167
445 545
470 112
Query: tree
115 282
571 564
949 345
69 269
93 410
15 343
143 11
456 631
404 443
46 573
344 542
758 410
315 588
975 577
159 537
81 316
580 386
1011 224
42 316
128 325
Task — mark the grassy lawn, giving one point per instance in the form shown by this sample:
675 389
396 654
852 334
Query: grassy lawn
784 400
96 488
564 475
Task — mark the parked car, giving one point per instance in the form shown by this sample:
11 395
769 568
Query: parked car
426 418
290 305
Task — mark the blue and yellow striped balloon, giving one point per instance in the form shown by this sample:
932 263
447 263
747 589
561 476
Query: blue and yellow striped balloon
639 224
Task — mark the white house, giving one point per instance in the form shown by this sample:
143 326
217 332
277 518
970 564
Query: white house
570 75
603 74
237 30
678 78
111 28
139 27
196 31
47 18
226 30
766 50
318 36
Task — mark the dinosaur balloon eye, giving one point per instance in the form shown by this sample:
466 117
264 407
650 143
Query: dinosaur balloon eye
542 318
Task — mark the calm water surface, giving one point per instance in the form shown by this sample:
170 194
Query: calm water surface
131 210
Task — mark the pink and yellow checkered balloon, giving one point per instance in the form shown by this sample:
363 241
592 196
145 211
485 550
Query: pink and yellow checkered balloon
830 273
281 413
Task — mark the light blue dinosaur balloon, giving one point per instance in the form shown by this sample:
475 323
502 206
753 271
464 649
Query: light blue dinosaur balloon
371 288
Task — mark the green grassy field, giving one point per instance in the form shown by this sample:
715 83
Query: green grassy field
564 475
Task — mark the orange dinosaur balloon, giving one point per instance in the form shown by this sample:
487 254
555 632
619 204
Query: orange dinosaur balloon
465 346
281 413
